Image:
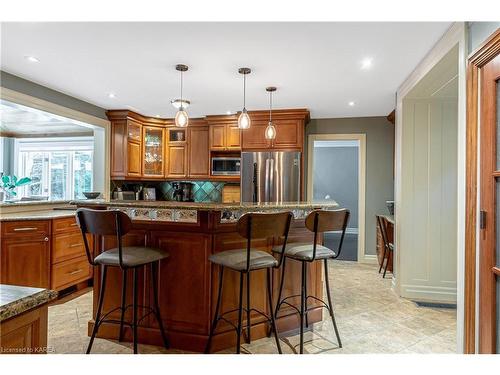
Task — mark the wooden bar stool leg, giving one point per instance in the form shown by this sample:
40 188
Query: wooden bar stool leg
124 300
99 307
271 310
154 275
330 305
302 306
216 315
134 307
240 311
249 339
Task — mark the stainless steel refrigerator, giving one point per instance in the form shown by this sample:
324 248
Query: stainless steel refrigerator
270 176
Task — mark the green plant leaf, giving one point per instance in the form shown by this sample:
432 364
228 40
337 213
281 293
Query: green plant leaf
5 179
13 180
23 181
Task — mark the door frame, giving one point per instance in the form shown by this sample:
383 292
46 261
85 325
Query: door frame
361 138
476 61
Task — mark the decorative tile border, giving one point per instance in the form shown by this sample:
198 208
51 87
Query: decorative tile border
163 215
232 216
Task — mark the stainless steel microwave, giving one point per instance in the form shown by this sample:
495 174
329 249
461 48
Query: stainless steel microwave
226 166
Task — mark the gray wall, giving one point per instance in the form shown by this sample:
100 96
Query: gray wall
479 32
7 155
379 162
24 86
337 176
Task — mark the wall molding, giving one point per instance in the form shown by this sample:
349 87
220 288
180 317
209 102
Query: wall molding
424 293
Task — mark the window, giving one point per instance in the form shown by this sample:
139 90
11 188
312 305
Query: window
60 168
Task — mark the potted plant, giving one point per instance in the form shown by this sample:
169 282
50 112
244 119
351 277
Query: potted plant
9 184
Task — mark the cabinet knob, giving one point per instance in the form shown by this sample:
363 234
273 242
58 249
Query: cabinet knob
46 239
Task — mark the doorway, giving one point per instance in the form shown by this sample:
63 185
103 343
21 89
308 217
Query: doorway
336 171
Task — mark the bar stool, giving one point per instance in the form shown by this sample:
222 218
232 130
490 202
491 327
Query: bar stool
117 223
251 226
317 221
388 247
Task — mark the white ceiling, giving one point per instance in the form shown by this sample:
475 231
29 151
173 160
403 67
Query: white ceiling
21 121
313 65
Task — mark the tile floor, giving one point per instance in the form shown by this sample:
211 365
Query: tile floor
370 317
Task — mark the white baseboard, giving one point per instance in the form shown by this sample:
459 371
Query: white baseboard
427 293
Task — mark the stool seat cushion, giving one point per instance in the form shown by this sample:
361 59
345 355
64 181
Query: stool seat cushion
133 256
305 251
237 259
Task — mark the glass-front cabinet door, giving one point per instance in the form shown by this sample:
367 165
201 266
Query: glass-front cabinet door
153 151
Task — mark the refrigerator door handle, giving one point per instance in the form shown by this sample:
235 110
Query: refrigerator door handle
271 181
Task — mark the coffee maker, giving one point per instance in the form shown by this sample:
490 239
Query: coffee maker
183 191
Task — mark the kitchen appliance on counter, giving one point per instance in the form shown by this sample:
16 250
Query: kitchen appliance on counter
183 191
124 195
226 166
270 176
149 194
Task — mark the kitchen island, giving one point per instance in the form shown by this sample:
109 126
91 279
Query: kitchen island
187 283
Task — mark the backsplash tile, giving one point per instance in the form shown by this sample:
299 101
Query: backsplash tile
203 191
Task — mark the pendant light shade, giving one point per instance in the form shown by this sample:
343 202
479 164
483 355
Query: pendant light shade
181 117
244 119
270 129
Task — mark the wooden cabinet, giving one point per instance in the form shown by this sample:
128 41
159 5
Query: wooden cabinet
25 261
153 152
253 138
126 148
69 263
25 333
43 253
225 137
198 153
177 153
289 135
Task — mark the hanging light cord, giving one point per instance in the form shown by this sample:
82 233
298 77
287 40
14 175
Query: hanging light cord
244 90
270 106
182 106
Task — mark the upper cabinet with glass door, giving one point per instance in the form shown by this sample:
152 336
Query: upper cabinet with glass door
153 151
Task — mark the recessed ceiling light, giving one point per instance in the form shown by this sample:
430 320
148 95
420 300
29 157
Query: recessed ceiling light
228 112
158 116
366 63
351 104
111 95
31 59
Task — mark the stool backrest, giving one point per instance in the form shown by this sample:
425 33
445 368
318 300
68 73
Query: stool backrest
255 225
319 221
103 223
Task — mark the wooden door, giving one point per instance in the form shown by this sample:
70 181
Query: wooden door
254 137
198 154
134 154
218 137
25 261
233 138
288 134
489 241
177 161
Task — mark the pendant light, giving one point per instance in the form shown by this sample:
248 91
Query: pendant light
270 130
181 117
244 119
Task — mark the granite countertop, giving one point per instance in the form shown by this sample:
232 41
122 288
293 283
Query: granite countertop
31 203
14 300
204 206
37 215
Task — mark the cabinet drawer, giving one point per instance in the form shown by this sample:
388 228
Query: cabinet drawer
64 225
26 228
67 246
70 272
